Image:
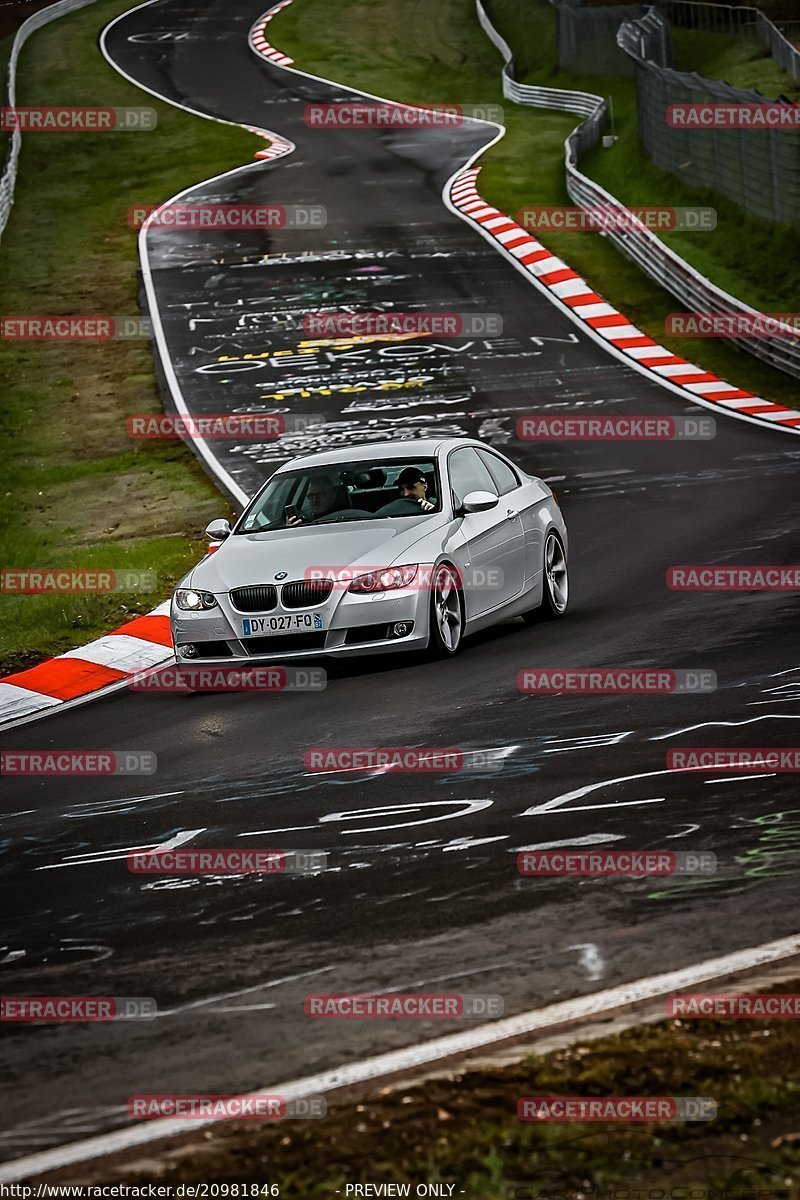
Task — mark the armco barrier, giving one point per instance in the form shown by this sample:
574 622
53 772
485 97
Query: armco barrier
29 26
635 241
583 103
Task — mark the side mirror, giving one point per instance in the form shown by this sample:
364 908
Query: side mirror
475 502
218 530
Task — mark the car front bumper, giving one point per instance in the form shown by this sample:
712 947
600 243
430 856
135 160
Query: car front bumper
355 625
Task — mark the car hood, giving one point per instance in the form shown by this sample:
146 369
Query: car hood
257 557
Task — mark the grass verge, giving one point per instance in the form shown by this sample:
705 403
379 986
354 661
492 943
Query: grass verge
463 1129
77 492
422 53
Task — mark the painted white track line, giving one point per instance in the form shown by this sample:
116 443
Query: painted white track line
566 1012
280 148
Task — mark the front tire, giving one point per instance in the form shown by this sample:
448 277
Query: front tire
446 614
555 583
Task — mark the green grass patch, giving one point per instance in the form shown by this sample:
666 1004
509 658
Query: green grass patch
741 62
424 53
77 491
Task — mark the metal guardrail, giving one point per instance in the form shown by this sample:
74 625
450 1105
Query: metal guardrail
28 26
636 242
582 103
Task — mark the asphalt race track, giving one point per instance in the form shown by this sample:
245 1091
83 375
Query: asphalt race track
421 888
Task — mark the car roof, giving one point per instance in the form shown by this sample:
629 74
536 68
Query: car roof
411 448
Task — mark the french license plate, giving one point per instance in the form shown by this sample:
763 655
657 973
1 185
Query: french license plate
289 623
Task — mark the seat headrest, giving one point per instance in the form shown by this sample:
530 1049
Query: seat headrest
374 478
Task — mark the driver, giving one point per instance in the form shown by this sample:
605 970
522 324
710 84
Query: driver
412 485
321 499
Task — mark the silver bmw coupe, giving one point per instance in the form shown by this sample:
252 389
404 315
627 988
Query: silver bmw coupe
381 547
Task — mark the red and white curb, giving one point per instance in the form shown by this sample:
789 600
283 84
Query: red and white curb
259 42
277 148
107 663
603 320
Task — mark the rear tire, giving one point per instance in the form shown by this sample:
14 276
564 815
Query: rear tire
446 614
555 583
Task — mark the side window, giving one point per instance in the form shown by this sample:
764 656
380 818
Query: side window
502 473
469 474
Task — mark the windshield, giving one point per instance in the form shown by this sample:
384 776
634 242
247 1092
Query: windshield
352 491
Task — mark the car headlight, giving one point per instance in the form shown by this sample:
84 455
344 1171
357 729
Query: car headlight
193 601
385 581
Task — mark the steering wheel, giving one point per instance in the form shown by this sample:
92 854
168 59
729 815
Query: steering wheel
400 507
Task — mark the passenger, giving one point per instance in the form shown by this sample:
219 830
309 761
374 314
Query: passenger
413 486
